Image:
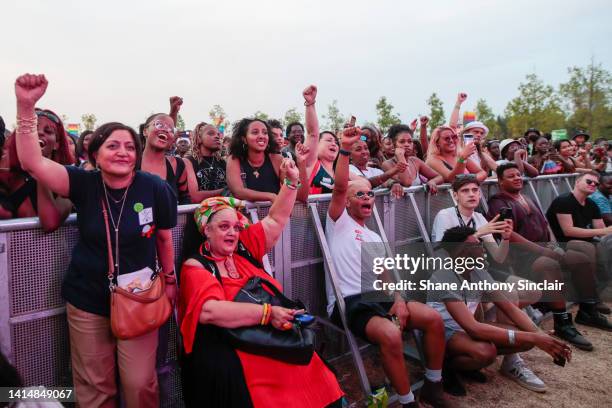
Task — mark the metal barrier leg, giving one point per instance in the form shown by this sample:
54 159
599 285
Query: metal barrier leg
333 278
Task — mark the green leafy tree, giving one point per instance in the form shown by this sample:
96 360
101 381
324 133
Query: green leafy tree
536 106
292 115
436 112
180 123
216 112
484 113
261 115
588 97
334 120
386 117
89 121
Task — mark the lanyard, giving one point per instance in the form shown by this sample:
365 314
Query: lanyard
471 223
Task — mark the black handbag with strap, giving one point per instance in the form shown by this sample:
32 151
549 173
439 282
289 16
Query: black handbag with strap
294 346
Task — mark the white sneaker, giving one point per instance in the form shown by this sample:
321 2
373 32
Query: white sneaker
523 376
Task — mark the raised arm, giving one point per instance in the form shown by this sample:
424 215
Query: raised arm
312 125
28 90
236 186
175 107
341 179
423 134
274 223
454 118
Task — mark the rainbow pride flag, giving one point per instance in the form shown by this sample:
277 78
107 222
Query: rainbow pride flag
468 117
73 129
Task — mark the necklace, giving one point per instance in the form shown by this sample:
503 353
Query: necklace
256 168
208 165
116 225
113 198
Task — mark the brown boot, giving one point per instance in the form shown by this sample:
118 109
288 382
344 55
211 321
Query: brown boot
433 394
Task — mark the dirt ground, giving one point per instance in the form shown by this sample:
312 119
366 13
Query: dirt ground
586 381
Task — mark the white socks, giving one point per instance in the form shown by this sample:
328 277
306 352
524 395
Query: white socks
433 375
406 398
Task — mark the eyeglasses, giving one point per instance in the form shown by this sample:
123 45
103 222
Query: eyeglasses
364 195
49 116
159 125
592 182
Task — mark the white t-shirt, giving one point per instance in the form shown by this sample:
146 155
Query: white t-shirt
447 218
368 173
345 238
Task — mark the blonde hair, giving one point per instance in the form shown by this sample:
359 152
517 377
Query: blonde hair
196 142
433 149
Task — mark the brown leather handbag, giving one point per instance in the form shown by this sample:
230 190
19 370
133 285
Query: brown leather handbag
135 314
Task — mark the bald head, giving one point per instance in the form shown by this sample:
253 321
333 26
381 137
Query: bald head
360 184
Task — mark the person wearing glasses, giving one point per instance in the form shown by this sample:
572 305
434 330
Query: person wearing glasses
444 156
158 133
380 323
27 198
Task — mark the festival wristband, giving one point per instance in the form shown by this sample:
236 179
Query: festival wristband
460 160
344 152
290 184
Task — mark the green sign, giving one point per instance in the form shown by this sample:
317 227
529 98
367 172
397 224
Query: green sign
559 134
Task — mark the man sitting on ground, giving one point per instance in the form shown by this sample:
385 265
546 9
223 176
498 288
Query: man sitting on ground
350 207
473 344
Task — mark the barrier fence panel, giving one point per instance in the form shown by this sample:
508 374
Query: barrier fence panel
33 329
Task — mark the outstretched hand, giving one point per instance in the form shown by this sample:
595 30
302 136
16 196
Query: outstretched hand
29 88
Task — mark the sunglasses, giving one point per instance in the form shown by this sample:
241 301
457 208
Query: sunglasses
465 177
159 125
49 116
592 182
363 195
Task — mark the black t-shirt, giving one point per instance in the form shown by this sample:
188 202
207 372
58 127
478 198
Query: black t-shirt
582 216
150 205
210 173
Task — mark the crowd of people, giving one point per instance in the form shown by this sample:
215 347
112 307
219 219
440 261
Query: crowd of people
136 180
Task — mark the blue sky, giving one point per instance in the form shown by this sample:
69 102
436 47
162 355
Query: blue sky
122 59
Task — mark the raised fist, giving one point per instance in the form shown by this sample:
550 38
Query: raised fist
461 97
424 120
310 94
413 125
349 137
175 103
29 88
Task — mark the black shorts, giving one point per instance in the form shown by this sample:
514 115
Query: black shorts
359 312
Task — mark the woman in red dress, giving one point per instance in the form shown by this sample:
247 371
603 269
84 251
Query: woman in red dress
215 374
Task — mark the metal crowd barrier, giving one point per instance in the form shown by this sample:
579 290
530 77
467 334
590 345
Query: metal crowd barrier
33 327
